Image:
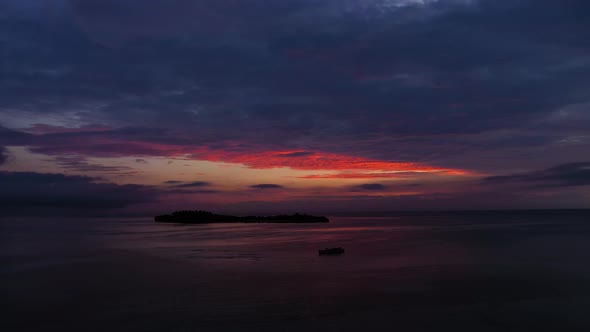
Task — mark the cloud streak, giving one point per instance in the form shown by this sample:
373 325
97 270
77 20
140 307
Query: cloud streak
3 155
370 187
195 184
565 175
28 190
142 142
266 186
81 164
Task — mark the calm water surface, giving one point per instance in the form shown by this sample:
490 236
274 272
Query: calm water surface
427 273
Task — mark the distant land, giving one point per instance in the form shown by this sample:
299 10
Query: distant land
206 217
513 212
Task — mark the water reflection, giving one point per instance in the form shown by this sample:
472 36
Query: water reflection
464 273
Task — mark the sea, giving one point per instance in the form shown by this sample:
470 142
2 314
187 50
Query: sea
509 271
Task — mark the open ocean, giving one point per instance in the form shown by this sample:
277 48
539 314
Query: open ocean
447 272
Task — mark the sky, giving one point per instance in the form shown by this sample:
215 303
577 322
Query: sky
118 107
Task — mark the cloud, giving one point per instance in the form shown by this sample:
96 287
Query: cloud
266 186
315 161
10 137
192 191
40 129
173 182
25 192
370 187
153 142
81 164
565 175
191 184
185 184
295 154
372 175
360 89
3 155
410 69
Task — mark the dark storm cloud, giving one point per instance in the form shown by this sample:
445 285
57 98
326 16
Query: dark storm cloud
78 193
447 81
566 175
266 186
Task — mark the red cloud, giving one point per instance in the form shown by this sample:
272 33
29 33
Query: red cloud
353 176
97 142
305 160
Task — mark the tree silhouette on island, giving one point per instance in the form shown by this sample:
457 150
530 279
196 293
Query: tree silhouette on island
206 217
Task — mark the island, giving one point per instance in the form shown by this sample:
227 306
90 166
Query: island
206 217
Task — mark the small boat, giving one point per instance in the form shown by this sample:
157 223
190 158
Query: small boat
331 251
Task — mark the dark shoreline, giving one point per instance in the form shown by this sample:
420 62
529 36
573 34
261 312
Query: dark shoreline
206 217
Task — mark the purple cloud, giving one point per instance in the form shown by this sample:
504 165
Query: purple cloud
82 194
80 164
194 184
565 175
3 155
437 82
370 187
